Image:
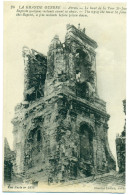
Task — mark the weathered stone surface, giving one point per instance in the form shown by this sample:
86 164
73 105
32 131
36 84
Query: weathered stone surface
8 162
60 129
34 74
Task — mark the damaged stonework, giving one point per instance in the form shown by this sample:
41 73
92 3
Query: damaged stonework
9 157
34 74
60 129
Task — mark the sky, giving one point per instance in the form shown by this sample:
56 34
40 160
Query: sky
110 34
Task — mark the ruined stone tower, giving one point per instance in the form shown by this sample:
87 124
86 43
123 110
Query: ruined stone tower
60 129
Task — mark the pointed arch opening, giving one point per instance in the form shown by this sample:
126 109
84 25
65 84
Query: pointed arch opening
86 149
33 145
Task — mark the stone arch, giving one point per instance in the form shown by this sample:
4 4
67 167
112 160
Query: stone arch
86 123
82 64
84 53
86 148
33 144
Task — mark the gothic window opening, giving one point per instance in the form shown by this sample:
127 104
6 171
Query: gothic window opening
86 148
83 63
33 146
85 76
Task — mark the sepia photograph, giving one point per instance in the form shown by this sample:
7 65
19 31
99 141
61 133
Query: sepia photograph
64 118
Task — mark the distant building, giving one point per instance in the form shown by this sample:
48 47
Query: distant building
121 146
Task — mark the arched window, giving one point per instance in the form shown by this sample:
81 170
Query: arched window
86 149
33 146
85 142
83 67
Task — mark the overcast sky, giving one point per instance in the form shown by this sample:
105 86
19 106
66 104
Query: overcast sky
108 31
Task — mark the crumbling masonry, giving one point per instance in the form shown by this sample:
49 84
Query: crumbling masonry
60 129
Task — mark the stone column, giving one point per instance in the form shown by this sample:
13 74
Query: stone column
26 57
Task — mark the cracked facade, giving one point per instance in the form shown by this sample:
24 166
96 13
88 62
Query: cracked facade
60 129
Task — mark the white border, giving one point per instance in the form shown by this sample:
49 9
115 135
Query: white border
1 89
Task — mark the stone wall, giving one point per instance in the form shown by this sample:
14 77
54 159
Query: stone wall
8 162
34 74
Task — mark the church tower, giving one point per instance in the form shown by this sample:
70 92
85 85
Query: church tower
60 129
